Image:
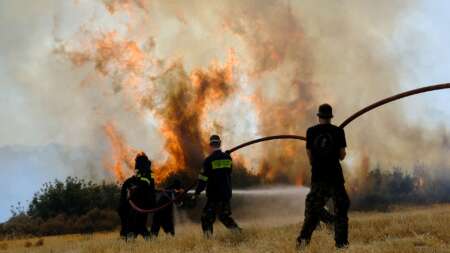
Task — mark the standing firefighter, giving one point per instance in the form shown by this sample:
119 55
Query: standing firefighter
140 189
215 176
325 144
164 218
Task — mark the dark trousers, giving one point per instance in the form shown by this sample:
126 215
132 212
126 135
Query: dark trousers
326 217
163 219
315 201
222 210
133 223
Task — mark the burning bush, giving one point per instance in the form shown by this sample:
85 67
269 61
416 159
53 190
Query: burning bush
242 178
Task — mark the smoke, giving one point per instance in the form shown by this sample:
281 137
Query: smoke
122 76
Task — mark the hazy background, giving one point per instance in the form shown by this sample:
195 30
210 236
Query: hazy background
164 72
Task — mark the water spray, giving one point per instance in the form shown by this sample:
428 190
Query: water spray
302 138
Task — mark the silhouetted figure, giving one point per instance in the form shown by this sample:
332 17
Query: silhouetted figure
164 218
325 144
326 216
140 189
215 176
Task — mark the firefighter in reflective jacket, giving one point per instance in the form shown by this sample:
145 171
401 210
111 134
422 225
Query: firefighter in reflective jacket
140 189
215 176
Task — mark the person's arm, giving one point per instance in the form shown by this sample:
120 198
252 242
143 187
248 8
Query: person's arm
342 154
231 159
343 142
152 191
308 153
123 196
308 145
202 180
201 185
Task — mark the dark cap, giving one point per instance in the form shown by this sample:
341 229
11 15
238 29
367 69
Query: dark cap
325 111
214 140
142 162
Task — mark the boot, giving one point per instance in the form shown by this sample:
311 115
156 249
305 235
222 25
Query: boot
342 245
236 230
301 244
207 234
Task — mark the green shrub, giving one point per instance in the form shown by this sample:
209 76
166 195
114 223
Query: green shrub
72 206
74 197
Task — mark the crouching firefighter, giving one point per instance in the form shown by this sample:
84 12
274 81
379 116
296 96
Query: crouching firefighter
140 189
215 176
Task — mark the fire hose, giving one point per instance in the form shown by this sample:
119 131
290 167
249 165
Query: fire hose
302 138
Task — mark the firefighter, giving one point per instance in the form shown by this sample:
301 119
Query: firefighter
140 189
164 218
215 176
325 145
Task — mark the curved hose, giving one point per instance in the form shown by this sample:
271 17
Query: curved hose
353 116
298 137
393 98
156 209
267 138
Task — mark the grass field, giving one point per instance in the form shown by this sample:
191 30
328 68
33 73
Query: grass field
418 229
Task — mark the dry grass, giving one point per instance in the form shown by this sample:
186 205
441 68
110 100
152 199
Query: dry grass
403 230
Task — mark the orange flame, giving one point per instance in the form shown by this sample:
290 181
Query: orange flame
181 108
122 154
126 55
182 114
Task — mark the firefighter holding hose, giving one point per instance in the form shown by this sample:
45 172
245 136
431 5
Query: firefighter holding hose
215 176
140 189
164 218
325 145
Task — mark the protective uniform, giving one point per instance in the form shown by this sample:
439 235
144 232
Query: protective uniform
164 218
141 190
324 142
215 176
316 200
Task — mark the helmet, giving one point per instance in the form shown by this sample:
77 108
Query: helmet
325 111
142 162
214 140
